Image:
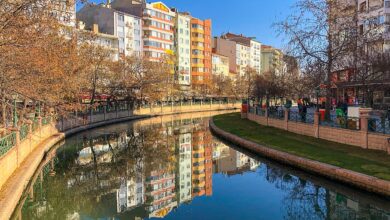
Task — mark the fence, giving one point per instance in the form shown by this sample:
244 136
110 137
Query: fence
366 131
276 114
260 111
379 125
7 142
23 132
307 118
345 122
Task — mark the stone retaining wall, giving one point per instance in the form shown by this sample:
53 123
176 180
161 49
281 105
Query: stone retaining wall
368 183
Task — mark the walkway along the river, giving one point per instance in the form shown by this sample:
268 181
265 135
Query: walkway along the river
21 161
362 181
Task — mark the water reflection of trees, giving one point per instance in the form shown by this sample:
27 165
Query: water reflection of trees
305 200
84 185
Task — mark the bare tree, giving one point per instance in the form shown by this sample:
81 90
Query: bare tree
321 32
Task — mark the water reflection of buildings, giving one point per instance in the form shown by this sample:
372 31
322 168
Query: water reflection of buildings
131 193
105 169
231 162
184 171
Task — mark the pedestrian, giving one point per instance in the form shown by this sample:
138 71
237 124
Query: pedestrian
304 112
388 117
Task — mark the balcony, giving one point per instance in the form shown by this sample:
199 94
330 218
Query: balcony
197 30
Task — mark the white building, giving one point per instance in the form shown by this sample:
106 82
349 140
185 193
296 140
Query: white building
243 53
128 29
248 52
109 21
107 41
374 22
183 48
185 168
255 55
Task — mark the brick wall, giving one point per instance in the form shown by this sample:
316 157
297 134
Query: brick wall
339 135
277 123
378 142
301 128
361 138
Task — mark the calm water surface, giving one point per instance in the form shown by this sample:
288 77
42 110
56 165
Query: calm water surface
173 168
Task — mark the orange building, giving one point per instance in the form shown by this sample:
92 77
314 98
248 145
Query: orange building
198 164
201 53
208 163
202 164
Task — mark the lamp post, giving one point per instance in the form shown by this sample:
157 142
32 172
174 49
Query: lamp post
317 90
15 114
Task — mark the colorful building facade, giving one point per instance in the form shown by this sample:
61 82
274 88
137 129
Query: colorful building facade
158 31
200 53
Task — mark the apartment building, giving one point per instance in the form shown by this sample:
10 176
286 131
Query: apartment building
247 52
271 60
107 41
220 65
158 31
183 49
351 78
226 48
110 21
255 55
200 53
374 23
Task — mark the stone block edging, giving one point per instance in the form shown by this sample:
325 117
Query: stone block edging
359 180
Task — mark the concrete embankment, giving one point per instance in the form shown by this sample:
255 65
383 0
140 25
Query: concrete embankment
362 181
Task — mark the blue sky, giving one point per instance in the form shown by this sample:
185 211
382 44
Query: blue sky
253 18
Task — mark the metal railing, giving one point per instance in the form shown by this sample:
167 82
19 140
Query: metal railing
345 122
23 132
34 125
307 118
7 142
260 111
276 114
379 125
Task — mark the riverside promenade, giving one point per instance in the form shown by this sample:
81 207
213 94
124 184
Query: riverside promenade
30 145
360 168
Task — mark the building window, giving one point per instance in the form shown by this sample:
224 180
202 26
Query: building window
121 17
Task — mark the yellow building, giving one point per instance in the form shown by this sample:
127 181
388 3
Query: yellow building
220 65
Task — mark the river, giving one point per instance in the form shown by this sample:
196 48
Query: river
172 167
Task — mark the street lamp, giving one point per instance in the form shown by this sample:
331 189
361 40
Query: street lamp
317 90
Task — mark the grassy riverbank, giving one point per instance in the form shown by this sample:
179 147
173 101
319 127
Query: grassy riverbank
370 162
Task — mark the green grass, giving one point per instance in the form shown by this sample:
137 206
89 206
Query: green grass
370 162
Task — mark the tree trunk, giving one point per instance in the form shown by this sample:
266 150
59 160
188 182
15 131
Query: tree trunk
3 109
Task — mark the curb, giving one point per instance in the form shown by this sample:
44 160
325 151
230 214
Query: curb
359 180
